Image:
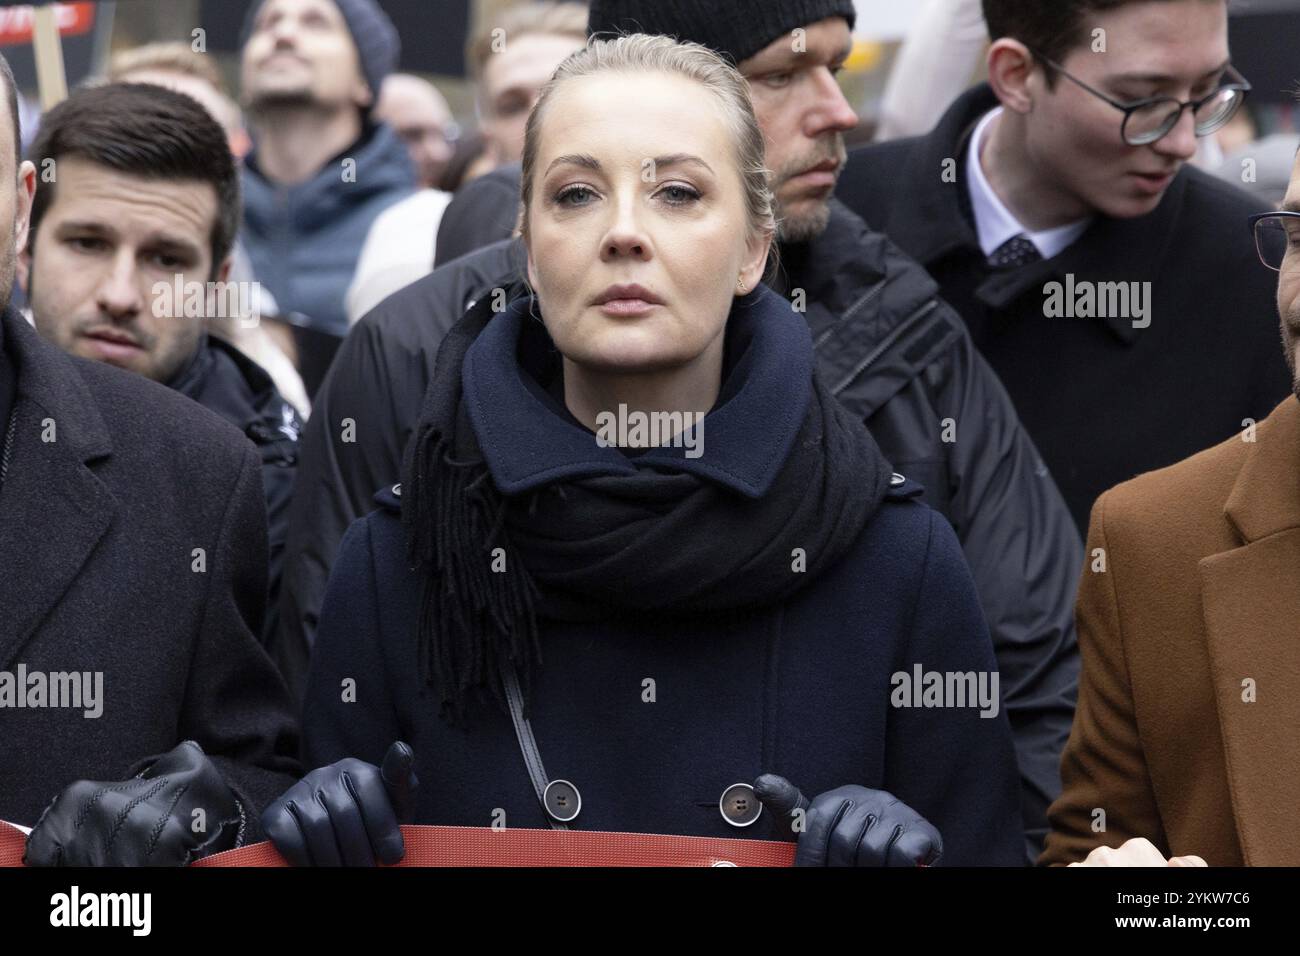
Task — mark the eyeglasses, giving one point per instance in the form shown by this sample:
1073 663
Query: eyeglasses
1148 120
1276 234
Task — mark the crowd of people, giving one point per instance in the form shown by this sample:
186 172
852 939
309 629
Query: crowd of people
968 526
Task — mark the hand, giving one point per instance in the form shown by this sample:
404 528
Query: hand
346 814
853 826
1138 851
153 819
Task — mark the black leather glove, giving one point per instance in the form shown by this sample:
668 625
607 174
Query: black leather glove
149 820
852 826
346 814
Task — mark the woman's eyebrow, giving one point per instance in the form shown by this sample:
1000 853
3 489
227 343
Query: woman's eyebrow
681 159
574 159
590 162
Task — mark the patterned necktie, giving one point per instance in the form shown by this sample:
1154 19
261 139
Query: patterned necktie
1015 252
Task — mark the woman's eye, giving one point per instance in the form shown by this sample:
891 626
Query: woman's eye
679 195
565 195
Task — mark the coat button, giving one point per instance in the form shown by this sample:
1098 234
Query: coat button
397 490
562 801
896 479
739 806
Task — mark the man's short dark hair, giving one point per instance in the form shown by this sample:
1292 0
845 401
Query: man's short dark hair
1050 27
11 95
142 130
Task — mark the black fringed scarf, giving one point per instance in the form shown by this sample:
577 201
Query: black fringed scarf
586 531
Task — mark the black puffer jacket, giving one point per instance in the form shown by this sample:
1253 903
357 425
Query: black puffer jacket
224 380
889 349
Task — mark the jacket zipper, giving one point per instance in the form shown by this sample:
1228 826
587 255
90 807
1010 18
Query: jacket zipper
886 343
847 313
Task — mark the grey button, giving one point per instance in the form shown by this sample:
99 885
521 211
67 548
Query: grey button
722 863
739 805
562 800
896 479
397 490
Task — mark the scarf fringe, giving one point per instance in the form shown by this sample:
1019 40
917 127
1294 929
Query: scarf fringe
474 621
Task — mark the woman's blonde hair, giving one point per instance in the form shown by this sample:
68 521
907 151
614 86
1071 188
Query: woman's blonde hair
641 52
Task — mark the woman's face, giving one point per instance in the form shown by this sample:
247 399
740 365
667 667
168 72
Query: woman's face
637 182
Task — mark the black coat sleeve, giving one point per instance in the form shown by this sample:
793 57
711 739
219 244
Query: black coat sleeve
351 448
955 765
1025 555
348 710
236 706
483 212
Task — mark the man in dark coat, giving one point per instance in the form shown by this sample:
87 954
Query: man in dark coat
1115 330
133 543
123 245
886 346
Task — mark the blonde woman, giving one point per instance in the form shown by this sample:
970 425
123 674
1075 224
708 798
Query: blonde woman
638 538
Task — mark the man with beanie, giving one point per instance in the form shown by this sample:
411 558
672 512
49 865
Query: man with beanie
321 169
887 347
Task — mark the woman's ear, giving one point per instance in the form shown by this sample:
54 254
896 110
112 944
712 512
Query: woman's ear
751 269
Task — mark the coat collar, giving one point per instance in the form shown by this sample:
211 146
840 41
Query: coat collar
745 438
1251 606
224 380
53 508
936 226
379 165
1266 496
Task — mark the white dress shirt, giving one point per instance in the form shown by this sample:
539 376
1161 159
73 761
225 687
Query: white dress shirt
994 222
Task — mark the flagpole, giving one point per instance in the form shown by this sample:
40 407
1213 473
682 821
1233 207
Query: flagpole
50 75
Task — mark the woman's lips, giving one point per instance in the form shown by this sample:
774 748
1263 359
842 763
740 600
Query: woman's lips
627 308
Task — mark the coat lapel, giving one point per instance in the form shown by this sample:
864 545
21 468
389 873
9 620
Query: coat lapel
1251 605
53 509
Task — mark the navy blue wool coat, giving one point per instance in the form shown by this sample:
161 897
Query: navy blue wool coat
653 719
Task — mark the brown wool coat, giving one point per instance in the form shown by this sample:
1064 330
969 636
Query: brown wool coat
1201 592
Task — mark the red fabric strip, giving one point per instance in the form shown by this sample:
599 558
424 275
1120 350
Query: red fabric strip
484 846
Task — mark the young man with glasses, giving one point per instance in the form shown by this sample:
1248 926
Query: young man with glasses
1113 287
1190 693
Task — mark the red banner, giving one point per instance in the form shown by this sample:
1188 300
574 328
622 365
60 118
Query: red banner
484 846
73 19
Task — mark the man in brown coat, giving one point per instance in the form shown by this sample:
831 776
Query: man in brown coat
1185 737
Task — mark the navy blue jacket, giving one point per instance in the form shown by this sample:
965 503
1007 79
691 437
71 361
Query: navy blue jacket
652 720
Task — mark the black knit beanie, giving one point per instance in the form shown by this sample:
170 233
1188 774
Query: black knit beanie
378 45
735 28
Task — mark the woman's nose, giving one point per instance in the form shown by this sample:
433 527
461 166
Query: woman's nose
625 237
